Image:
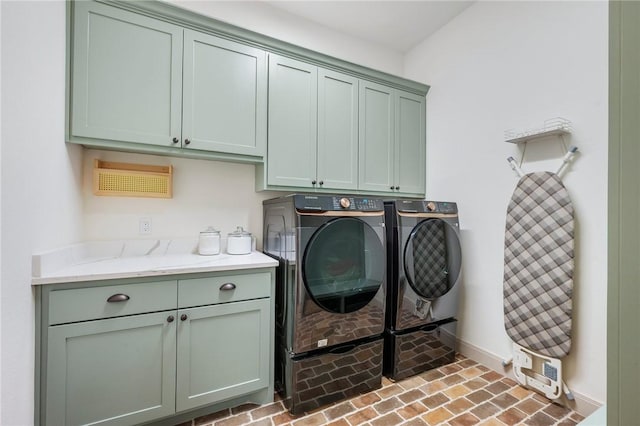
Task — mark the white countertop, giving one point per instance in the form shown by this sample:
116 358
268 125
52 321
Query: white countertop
106 260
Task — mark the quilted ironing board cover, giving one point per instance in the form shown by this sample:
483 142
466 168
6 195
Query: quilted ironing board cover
538 265
430 260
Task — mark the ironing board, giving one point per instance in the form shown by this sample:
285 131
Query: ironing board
538 265
538 279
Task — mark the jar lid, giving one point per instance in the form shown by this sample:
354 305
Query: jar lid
239 232
210 230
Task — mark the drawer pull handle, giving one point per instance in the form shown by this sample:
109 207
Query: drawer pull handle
118 298
227 287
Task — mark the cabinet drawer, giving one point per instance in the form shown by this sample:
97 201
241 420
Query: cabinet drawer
222 289
83 304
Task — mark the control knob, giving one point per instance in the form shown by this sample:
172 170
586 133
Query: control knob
431 206
345 203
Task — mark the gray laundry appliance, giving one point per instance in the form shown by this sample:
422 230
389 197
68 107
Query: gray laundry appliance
330 296
423 270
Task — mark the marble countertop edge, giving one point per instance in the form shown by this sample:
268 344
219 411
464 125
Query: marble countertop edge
94 261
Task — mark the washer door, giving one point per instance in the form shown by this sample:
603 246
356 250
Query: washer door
343 265
432 258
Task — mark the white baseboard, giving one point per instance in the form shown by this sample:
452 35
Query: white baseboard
582 404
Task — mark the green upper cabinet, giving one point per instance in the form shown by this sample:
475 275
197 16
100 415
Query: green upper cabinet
337 153
377 120
127 76
150 77
225 95
391 140
293 97
313 126
410 147
146 85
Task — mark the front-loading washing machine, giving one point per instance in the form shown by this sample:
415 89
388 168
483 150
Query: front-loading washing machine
423 273
330 296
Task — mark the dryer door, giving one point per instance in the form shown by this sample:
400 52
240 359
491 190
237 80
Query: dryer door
343 265
432 258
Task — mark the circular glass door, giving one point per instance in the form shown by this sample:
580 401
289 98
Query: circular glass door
432 258
343 265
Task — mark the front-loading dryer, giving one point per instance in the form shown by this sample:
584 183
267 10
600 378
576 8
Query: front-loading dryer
330 296
423 270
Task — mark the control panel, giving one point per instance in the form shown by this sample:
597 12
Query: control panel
419 206
337 203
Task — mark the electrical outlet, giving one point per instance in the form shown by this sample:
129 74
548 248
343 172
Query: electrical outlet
144 226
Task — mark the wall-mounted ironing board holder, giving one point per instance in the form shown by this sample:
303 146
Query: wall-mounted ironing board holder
538 372
557 126
561 170
532 369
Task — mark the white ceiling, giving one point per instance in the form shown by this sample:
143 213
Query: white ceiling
399 25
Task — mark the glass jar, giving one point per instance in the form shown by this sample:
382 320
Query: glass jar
209 242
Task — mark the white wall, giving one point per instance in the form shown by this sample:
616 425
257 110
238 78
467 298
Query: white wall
205 193
264 19
504 65
40 183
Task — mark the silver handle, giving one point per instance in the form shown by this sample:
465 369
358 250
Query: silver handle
227 287
118 298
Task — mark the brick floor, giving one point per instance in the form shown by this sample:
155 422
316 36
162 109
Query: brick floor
462 393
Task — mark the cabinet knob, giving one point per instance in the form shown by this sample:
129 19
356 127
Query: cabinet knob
183 317
321 182
175 140
397 188
170 318
391 187
227 287
187 141
118 298
313 182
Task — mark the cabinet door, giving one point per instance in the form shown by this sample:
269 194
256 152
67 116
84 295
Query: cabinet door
376 138
337 154
410 145
127 76
291 159
225 95
111 372
223 352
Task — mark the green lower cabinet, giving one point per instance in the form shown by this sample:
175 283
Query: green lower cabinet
117 371
222 352
144 351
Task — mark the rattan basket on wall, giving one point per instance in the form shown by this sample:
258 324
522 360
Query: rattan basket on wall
132 180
